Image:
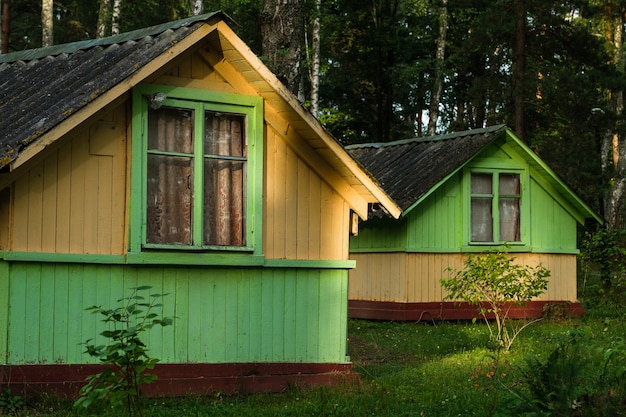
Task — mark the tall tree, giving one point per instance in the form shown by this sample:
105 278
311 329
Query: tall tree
282 31
440 54
115 17
103 18
314 71
614 142
519 67
6 21
46 23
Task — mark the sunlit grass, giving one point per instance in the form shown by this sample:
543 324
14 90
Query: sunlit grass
407 369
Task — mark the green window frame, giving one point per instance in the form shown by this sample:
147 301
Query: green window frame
496 207
196 173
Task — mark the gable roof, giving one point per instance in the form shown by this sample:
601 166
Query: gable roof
409 170
47 92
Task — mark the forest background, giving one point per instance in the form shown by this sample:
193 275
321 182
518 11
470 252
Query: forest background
383 70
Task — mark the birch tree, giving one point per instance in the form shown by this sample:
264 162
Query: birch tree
435 98
103 18
197 7
315 60
46 22
115 17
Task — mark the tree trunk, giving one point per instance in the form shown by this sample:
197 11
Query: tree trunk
519 68
315 60
103 13
115 17
6 21
197 7
46 23
435 97
613 145
282 32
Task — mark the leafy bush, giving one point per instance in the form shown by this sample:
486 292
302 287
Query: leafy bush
495 284
10 402
126 354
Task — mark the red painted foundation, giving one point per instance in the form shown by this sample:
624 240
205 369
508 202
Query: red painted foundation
385 310
64 381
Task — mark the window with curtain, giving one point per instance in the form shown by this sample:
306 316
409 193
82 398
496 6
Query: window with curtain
495 207
196 177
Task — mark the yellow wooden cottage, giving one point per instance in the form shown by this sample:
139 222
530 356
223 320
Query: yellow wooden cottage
172 157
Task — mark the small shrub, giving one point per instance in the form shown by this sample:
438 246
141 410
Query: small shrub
126 354
495 284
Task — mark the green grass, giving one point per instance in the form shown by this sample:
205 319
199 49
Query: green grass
412 369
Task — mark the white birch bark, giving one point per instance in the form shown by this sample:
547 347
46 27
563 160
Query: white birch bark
315 60
103 13
197 7
46 23
435 97
115 17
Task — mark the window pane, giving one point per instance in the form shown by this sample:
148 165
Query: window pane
224 180
509 184
481 184
223 134
169 205
224 203
170 130
509 219
482 220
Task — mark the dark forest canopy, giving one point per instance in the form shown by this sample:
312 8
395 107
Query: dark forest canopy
553 70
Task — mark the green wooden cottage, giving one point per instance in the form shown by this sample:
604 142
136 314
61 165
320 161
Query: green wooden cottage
461 193
172 157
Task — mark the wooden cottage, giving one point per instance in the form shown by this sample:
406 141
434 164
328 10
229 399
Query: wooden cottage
461 193
172 157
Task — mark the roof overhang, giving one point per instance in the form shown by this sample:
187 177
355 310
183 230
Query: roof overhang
241 67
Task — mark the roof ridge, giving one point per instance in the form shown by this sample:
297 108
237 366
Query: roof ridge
133 35
451 135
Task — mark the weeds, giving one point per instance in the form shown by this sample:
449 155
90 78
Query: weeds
126 354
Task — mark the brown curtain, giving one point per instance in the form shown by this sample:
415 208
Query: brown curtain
170 178
509 207
224 180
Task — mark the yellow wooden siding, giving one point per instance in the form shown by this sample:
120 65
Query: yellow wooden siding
415 277
5 216
74 200
304 218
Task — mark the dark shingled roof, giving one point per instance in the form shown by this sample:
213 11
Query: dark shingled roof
40 88
408 169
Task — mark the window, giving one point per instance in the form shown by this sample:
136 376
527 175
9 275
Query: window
495 207
200 180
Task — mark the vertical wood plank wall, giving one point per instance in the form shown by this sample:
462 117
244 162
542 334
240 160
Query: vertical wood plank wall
304 218
414 277
75 200
222 315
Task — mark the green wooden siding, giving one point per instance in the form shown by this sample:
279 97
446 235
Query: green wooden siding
223 315
380 235
440 223
435 225
553 229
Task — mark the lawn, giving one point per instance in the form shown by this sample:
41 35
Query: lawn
442 369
